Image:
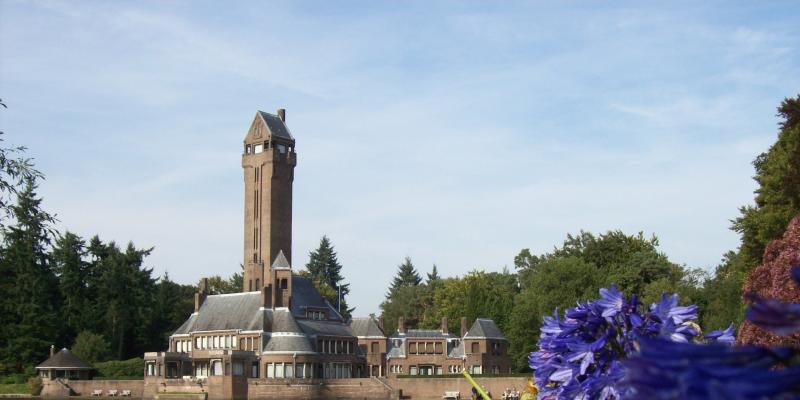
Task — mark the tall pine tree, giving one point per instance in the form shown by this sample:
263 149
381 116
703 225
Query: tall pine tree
73 272
30 301
325 270
407 275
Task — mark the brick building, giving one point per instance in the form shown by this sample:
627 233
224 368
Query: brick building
280 327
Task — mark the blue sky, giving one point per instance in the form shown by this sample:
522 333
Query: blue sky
456 133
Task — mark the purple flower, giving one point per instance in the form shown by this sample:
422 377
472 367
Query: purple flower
611 301
669 370
721 336
579 355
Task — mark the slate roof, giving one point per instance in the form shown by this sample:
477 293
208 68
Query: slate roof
293 343
324 328
282 321
455 351
305 295
64 359
366 327
484 329
281 262
226 311
275 125
393 351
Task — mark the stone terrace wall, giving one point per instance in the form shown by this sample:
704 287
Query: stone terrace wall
434 388
85 388
356 388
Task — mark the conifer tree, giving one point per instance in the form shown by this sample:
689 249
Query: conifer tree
30 301
407 275
325 270
73 271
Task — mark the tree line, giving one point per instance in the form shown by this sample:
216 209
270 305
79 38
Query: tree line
575 270
103 301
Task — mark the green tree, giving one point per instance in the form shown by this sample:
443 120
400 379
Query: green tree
91 347
125 291
559 283
325 270
219 285
30 300
69 263
477 294
404 302
407 275
15 172
777 198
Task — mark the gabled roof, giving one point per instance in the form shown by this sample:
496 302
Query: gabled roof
275 125
366 327
64 359
226 311
484 329
281 262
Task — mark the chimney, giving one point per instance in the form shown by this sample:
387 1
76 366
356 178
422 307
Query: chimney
199 298
282 114
444 324
266 296
463 326
380 323
52 350
204 289
401 325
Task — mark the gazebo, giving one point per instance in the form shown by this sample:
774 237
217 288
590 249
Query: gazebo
64 364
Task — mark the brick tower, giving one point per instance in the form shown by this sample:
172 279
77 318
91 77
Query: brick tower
268 162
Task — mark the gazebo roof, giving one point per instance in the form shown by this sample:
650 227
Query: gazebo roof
64 359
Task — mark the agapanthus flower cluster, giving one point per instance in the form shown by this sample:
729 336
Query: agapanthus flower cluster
580 354
668 370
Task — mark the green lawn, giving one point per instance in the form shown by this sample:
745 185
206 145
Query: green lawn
6 388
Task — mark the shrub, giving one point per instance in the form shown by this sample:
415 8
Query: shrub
35 386
127 369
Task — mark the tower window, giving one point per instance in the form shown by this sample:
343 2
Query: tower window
258 284
250 285
258 148
281 148
247 149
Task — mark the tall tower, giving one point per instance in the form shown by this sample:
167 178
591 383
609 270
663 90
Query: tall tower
268 161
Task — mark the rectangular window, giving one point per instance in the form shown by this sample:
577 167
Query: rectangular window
429 348
298 370
270 370
439 348
233 342
281 148
216 367
205 342
254 369
412 347
258 148
279 370
438 370
287 370
412 370
375 348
